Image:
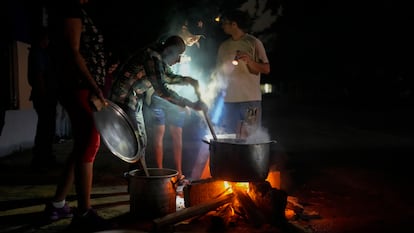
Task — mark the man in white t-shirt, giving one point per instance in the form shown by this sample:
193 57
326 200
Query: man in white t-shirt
241 60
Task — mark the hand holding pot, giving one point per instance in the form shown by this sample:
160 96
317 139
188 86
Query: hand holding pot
98 103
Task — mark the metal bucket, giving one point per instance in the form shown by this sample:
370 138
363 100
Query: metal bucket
238 160
154 195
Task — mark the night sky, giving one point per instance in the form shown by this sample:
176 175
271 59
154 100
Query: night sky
353 47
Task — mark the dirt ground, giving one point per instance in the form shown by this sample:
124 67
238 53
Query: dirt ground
345 169
348 167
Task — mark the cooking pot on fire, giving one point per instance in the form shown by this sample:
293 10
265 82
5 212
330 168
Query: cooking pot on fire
239 160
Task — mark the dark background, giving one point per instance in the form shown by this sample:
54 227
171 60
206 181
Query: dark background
348 159
326 51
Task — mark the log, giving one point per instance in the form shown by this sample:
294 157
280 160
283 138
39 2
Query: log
226 213
271 201
191 212
202 191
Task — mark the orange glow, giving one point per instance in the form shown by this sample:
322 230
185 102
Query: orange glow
232 211
289 214
226 184
242 185
239 185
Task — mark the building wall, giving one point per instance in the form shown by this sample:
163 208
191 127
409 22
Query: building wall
20 123
18 132
23 88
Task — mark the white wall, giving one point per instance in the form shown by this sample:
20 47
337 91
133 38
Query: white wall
18 132
20 124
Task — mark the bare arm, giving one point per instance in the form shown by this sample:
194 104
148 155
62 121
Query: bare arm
254 67
257 67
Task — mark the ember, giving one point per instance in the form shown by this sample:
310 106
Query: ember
228 204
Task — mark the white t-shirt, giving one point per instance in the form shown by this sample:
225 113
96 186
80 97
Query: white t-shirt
240 84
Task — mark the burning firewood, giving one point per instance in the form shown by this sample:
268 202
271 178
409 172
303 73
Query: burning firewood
192 211
271 201
254 215
256 203
227 214
202 191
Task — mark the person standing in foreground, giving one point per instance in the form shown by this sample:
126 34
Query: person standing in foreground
80 60
242 97
145 76
44 98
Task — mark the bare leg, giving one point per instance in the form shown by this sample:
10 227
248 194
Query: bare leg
159 131
201 165
66 182
84 174
176 135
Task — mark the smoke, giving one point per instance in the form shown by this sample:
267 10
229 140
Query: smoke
214 88
258 135
195 25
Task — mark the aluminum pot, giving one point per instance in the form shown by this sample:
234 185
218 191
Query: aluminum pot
154 195
239 160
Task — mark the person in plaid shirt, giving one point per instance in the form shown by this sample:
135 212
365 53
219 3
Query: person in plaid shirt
147 73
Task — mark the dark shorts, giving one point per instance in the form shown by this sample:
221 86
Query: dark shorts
166 113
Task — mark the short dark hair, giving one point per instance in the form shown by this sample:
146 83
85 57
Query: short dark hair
242 18
175 41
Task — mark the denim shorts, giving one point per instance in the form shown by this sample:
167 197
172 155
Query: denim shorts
165 113
233 113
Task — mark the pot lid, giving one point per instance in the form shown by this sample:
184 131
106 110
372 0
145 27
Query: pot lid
118 133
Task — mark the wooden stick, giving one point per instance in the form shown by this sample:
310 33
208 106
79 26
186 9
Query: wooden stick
210 125
191 211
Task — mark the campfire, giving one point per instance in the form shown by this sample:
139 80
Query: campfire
244 193
229 204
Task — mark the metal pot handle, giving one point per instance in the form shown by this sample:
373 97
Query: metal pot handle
174 183
127 175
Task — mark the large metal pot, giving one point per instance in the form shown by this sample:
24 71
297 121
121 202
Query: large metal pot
154 195
239 160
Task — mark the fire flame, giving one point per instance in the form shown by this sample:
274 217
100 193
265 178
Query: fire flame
233 185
